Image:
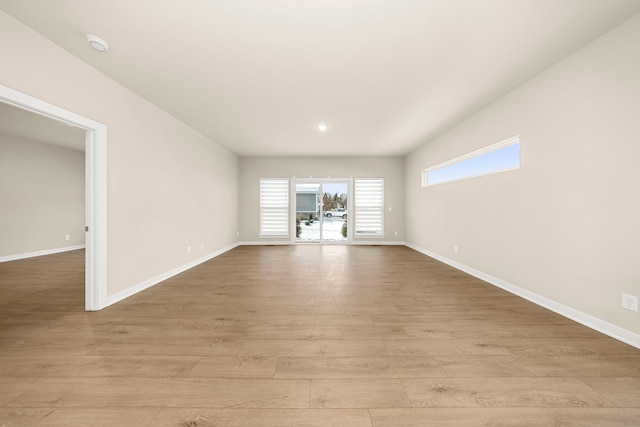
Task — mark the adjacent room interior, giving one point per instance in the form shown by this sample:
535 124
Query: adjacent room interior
316 213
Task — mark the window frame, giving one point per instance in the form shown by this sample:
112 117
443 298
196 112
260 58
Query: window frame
361 205
514 140
279 210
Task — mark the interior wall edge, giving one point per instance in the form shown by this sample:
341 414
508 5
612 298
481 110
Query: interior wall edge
584 319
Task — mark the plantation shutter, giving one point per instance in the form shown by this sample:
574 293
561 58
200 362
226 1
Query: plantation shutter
274 207
369 207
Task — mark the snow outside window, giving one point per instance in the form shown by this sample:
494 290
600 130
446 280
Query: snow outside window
274 207
369 207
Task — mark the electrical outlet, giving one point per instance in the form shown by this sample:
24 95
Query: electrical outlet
395 233
630 302
201 245
67 237
455 249
188 249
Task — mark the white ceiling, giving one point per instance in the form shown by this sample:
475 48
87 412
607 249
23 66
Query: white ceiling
257 76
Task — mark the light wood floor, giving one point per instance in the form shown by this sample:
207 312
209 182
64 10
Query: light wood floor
302 336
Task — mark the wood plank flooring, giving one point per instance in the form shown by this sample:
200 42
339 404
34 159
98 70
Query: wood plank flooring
302 336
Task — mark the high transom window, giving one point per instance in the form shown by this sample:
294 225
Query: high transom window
500 157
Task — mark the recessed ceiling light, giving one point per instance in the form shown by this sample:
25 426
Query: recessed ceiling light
322 127
97 43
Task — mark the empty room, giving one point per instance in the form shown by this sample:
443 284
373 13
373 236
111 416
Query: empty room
319 213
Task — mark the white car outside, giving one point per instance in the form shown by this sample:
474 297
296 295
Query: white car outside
339 212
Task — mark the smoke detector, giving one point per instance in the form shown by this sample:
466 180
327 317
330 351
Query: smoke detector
97 43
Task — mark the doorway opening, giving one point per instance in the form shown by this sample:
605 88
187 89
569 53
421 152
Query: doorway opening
95 189
322 210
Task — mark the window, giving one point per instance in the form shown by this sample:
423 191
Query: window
274 207
499 157
369 207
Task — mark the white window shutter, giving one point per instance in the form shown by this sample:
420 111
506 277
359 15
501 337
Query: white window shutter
369 207
274 207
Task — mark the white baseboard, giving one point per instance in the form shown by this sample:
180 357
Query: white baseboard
264 242
599 325
40 253
352 242
126 293
377 242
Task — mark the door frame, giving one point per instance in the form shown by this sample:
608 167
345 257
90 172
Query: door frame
292 197
95 189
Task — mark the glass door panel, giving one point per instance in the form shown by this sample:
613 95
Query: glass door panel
321 211
308 215
335 211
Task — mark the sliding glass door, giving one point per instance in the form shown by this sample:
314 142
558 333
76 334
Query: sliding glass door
308 212
335 212
322 213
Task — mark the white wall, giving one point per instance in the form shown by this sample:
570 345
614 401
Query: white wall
254 168
566 226
42 193
169 187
